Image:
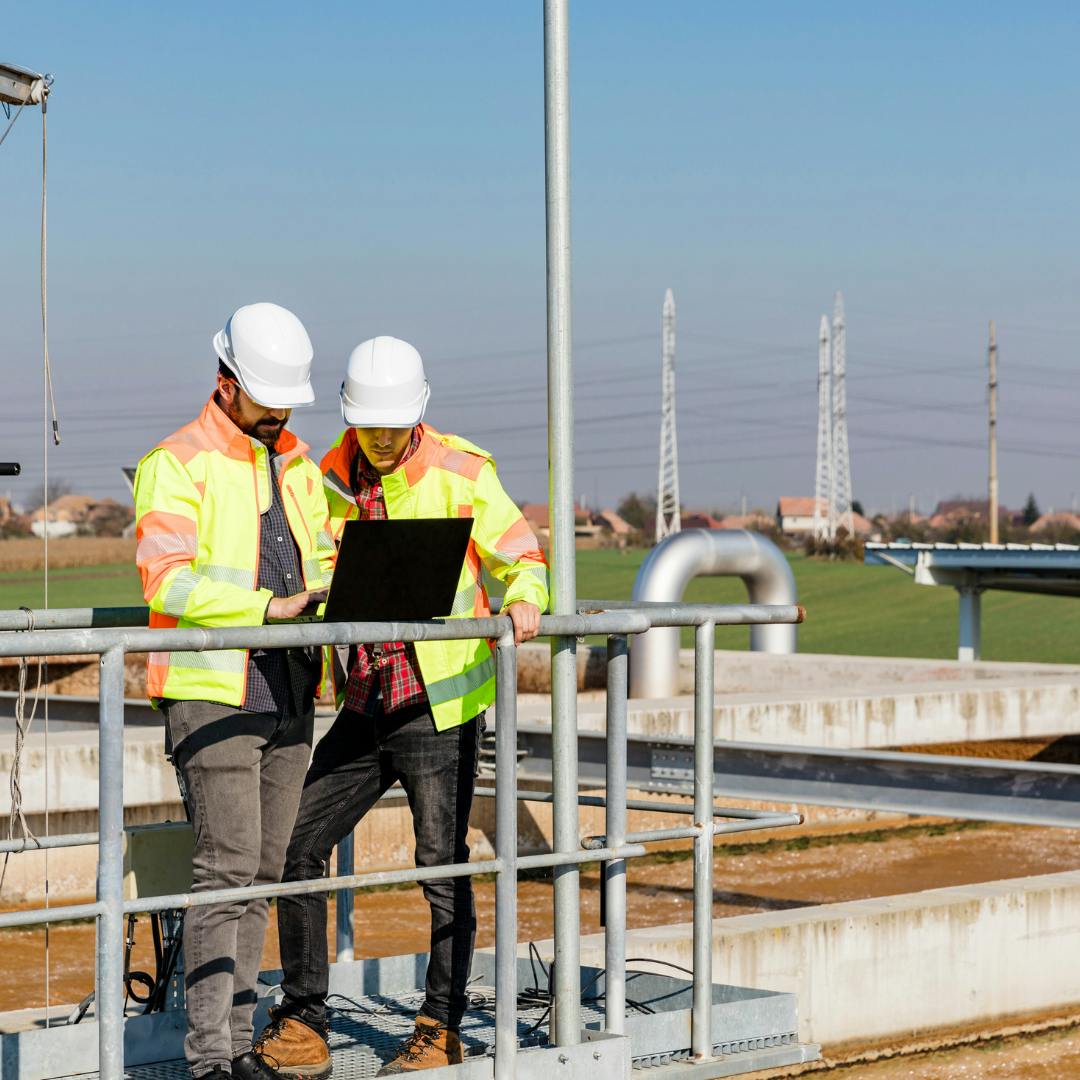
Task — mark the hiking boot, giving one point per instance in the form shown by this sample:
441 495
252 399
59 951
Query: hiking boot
430 1045
250 1066
293 1048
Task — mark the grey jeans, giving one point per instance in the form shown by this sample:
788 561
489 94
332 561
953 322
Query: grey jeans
243 774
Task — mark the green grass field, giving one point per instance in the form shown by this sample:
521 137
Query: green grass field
851 608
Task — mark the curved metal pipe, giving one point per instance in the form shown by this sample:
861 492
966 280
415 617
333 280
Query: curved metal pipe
669 568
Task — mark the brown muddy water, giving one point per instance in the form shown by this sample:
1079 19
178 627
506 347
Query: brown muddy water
753 877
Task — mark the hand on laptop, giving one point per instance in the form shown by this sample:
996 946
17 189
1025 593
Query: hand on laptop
292 607
526 620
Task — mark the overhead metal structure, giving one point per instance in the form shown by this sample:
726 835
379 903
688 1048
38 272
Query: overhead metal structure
668 519
971 569
824 519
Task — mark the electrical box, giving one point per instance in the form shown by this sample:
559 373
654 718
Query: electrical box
157 859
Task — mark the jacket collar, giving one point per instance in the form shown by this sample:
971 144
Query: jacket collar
337 464
225 436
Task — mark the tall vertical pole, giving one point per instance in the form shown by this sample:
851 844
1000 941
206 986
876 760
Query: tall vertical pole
615 830
109 990
346 901
701 1041
561 500
993 510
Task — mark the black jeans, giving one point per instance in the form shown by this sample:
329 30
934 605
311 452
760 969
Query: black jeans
354 763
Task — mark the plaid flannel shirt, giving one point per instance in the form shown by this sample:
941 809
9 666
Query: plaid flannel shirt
390 668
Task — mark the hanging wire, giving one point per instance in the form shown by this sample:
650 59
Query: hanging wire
49 408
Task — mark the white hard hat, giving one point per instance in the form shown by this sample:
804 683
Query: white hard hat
269 351
384 385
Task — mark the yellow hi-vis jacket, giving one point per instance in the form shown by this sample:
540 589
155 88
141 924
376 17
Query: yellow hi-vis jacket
199 498
449 477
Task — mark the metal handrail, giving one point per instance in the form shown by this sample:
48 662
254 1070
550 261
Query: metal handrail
91 631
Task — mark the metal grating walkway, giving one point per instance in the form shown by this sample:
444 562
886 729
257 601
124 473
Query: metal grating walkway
367 1031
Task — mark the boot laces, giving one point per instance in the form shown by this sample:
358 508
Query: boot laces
414 1046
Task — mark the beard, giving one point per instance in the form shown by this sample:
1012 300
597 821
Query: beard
267 432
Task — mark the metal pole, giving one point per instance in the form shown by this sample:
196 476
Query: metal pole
506 853
970 634
346 942
561 500
615 824
993 494
701 1009
109 991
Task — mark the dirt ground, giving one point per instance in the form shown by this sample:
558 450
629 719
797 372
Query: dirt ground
1052 1054
753 877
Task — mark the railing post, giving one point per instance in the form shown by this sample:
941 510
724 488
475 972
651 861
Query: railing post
615 829
506 839
701 1045
346 943
109 991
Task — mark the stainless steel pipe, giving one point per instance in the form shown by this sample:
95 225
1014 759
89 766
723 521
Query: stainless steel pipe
669 568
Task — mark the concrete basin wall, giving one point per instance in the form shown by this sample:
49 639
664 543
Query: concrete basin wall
896 966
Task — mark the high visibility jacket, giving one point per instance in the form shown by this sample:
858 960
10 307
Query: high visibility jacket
450 477
199 497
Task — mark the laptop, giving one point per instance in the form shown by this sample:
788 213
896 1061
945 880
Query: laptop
396 571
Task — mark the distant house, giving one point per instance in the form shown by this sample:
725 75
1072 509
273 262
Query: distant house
699 520
1057 523
950 512
587 526
755 521
617 526
795 517
70 513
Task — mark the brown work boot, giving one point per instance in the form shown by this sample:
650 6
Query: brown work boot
294 1049
430 1045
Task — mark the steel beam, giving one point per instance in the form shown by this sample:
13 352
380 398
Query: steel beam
1021 792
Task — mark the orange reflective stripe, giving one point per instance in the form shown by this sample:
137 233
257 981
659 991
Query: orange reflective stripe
164 541
518 542
464 510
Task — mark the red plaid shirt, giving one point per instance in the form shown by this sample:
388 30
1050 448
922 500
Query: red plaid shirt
391 668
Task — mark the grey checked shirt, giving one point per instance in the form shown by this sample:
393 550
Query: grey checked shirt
280 680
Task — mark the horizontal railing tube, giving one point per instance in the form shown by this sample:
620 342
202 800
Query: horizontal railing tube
294 635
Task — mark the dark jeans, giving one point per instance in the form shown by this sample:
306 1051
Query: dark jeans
354 763
242 773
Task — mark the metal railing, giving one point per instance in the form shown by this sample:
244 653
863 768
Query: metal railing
96 632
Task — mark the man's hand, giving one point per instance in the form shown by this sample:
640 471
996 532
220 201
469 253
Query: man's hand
290 607
526 620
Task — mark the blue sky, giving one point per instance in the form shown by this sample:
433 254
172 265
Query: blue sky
379 169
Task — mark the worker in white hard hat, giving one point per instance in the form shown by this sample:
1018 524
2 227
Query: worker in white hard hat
410 713
233 529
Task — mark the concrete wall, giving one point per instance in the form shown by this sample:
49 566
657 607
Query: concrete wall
898 965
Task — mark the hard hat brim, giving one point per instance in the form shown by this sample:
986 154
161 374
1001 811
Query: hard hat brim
405 416
276 397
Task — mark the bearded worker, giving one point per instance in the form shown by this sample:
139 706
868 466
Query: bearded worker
233 529
412 713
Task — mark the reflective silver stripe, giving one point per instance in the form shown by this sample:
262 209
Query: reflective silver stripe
313 571
166 544
464 601
457 686
179 592
534 571
232 661
331 481
231 575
